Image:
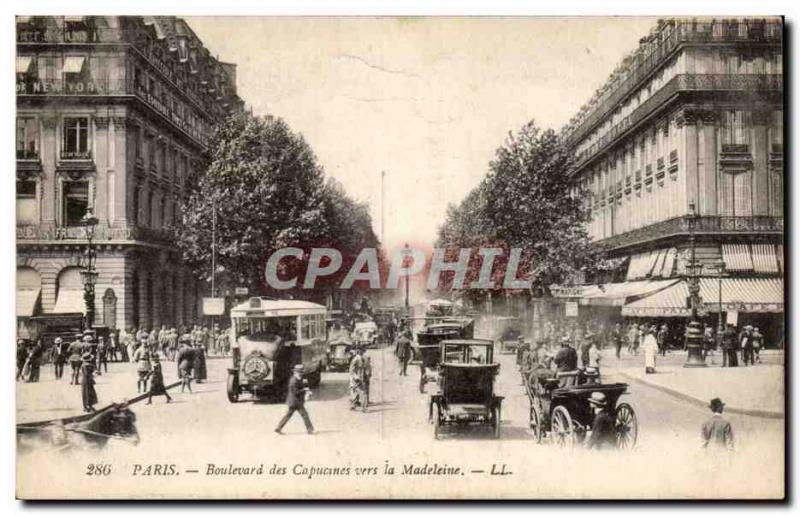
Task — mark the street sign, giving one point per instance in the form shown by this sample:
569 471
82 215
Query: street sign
241 291
571 309
213 306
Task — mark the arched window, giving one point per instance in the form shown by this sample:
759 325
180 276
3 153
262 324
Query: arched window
69 296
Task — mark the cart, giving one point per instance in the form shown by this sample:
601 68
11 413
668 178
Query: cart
564 413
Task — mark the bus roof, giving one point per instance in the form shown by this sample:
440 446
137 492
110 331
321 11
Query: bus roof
277 308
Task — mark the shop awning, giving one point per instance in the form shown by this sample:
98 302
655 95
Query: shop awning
23 19
779 255
26 302
737 258
75 19
24 63
642 265
669 262
764 260
616 294
73 63
70 300
748 295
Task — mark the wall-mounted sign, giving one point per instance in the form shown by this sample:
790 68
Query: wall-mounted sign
213 306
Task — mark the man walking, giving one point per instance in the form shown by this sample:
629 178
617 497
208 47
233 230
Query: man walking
746 343
717 431
661 338
758 343
296 399
357 394
367 373
729 344
616 335
157 386
59 357
403 352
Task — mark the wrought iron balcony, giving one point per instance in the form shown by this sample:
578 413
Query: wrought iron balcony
703 225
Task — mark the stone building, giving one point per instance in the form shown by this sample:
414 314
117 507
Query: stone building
114 115
686 136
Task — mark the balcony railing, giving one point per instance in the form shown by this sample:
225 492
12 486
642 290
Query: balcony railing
703 225
76 155
27 155
680 33
679 83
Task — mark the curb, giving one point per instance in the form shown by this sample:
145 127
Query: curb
701 403
87 416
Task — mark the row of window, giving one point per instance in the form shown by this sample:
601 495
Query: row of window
75 142
104 74
693 60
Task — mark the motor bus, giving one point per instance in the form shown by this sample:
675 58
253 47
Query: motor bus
268 338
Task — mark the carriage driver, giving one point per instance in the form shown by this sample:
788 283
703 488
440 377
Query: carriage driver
603 435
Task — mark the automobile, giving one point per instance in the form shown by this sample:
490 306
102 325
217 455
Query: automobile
564 413
427 352
466 387
268 338
366 334
509 331
339 355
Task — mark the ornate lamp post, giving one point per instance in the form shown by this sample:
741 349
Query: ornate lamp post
89 274
694 332
720 266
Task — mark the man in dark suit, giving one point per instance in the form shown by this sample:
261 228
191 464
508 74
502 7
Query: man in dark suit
566 361
716 430
403 352
603 435
296 399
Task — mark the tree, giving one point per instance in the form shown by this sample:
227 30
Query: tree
526 201
267 190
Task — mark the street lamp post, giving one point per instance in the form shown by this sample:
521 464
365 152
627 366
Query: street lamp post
89 274
720 266
406 254
694 332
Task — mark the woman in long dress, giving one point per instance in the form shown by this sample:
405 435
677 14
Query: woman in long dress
650 346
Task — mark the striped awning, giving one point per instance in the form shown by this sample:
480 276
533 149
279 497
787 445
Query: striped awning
779 255
26 302
70 300
642 265
764 260
659 263
73 63
669 262
616 294
24 63
737 258
748 295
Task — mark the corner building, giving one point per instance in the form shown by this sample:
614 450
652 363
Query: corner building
114 114
686 136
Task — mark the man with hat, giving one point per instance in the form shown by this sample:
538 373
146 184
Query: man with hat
650 347
59 357
566 362
746 343
717 431
88 393
603 435
758 343
157 381
729 347
402 350
141 356
296 400
185 360
74 353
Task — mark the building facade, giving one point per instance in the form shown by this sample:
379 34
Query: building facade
114 116
685 142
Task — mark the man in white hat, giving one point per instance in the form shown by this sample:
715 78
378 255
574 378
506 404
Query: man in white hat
603 435
296 400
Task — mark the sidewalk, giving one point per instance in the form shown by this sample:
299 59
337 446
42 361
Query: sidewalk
755 390
49 399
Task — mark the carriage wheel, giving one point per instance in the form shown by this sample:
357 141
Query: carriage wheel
626 426
562 429
496 419
437 421
536 424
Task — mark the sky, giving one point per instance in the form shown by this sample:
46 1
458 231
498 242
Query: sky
427 100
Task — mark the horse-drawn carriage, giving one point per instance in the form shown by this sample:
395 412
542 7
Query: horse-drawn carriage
466 387
564 412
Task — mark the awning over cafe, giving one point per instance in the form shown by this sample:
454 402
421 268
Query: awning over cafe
26 302
70 300
737 258
748 295
616 294
764 260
